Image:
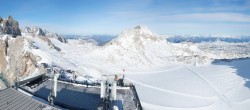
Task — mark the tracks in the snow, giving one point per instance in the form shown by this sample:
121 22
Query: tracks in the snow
169 91
220 95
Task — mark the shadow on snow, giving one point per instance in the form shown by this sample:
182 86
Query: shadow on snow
241 66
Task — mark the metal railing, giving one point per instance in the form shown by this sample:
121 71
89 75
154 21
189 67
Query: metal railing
137 100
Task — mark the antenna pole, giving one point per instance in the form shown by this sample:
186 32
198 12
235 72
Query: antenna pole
53 92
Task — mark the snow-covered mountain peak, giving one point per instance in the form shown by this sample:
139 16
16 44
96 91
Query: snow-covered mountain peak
137 47
137 31
137 36
143 29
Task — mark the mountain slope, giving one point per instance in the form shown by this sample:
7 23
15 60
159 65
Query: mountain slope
139 47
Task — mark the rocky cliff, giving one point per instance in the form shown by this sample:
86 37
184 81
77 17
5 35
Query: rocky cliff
14 56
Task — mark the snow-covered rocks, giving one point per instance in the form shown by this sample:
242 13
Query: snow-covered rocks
39 32
34 30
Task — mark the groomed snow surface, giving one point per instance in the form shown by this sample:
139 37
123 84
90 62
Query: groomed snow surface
166 82
219 86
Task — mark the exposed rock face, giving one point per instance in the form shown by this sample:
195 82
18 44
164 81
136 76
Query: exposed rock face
12 56
3 48
28 63
1 19
9 26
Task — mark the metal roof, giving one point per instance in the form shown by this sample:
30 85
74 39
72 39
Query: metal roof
80 97
11 99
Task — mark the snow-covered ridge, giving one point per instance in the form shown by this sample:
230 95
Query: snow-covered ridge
36 31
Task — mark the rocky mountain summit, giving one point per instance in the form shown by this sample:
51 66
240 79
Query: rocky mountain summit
9 26
136 37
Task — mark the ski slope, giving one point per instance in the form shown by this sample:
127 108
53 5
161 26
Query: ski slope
220 86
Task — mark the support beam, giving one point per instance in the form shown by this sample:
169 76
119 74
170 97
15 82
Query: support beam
113 92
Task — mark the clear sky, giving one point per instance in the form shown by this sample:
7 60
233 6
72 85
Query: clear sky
227 17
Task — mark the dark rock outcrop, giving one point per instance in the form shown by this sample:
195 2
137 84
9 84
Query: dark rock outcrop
1 19
9 26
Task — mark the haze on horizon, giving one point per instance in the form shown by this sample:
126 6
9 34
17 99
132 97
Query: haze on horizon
225 17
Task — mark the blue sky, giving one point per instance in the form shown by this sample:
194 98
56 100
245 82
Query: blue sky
192 17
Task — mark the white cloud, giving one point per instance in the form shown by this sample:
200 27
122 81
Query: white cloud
208 17
201 28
